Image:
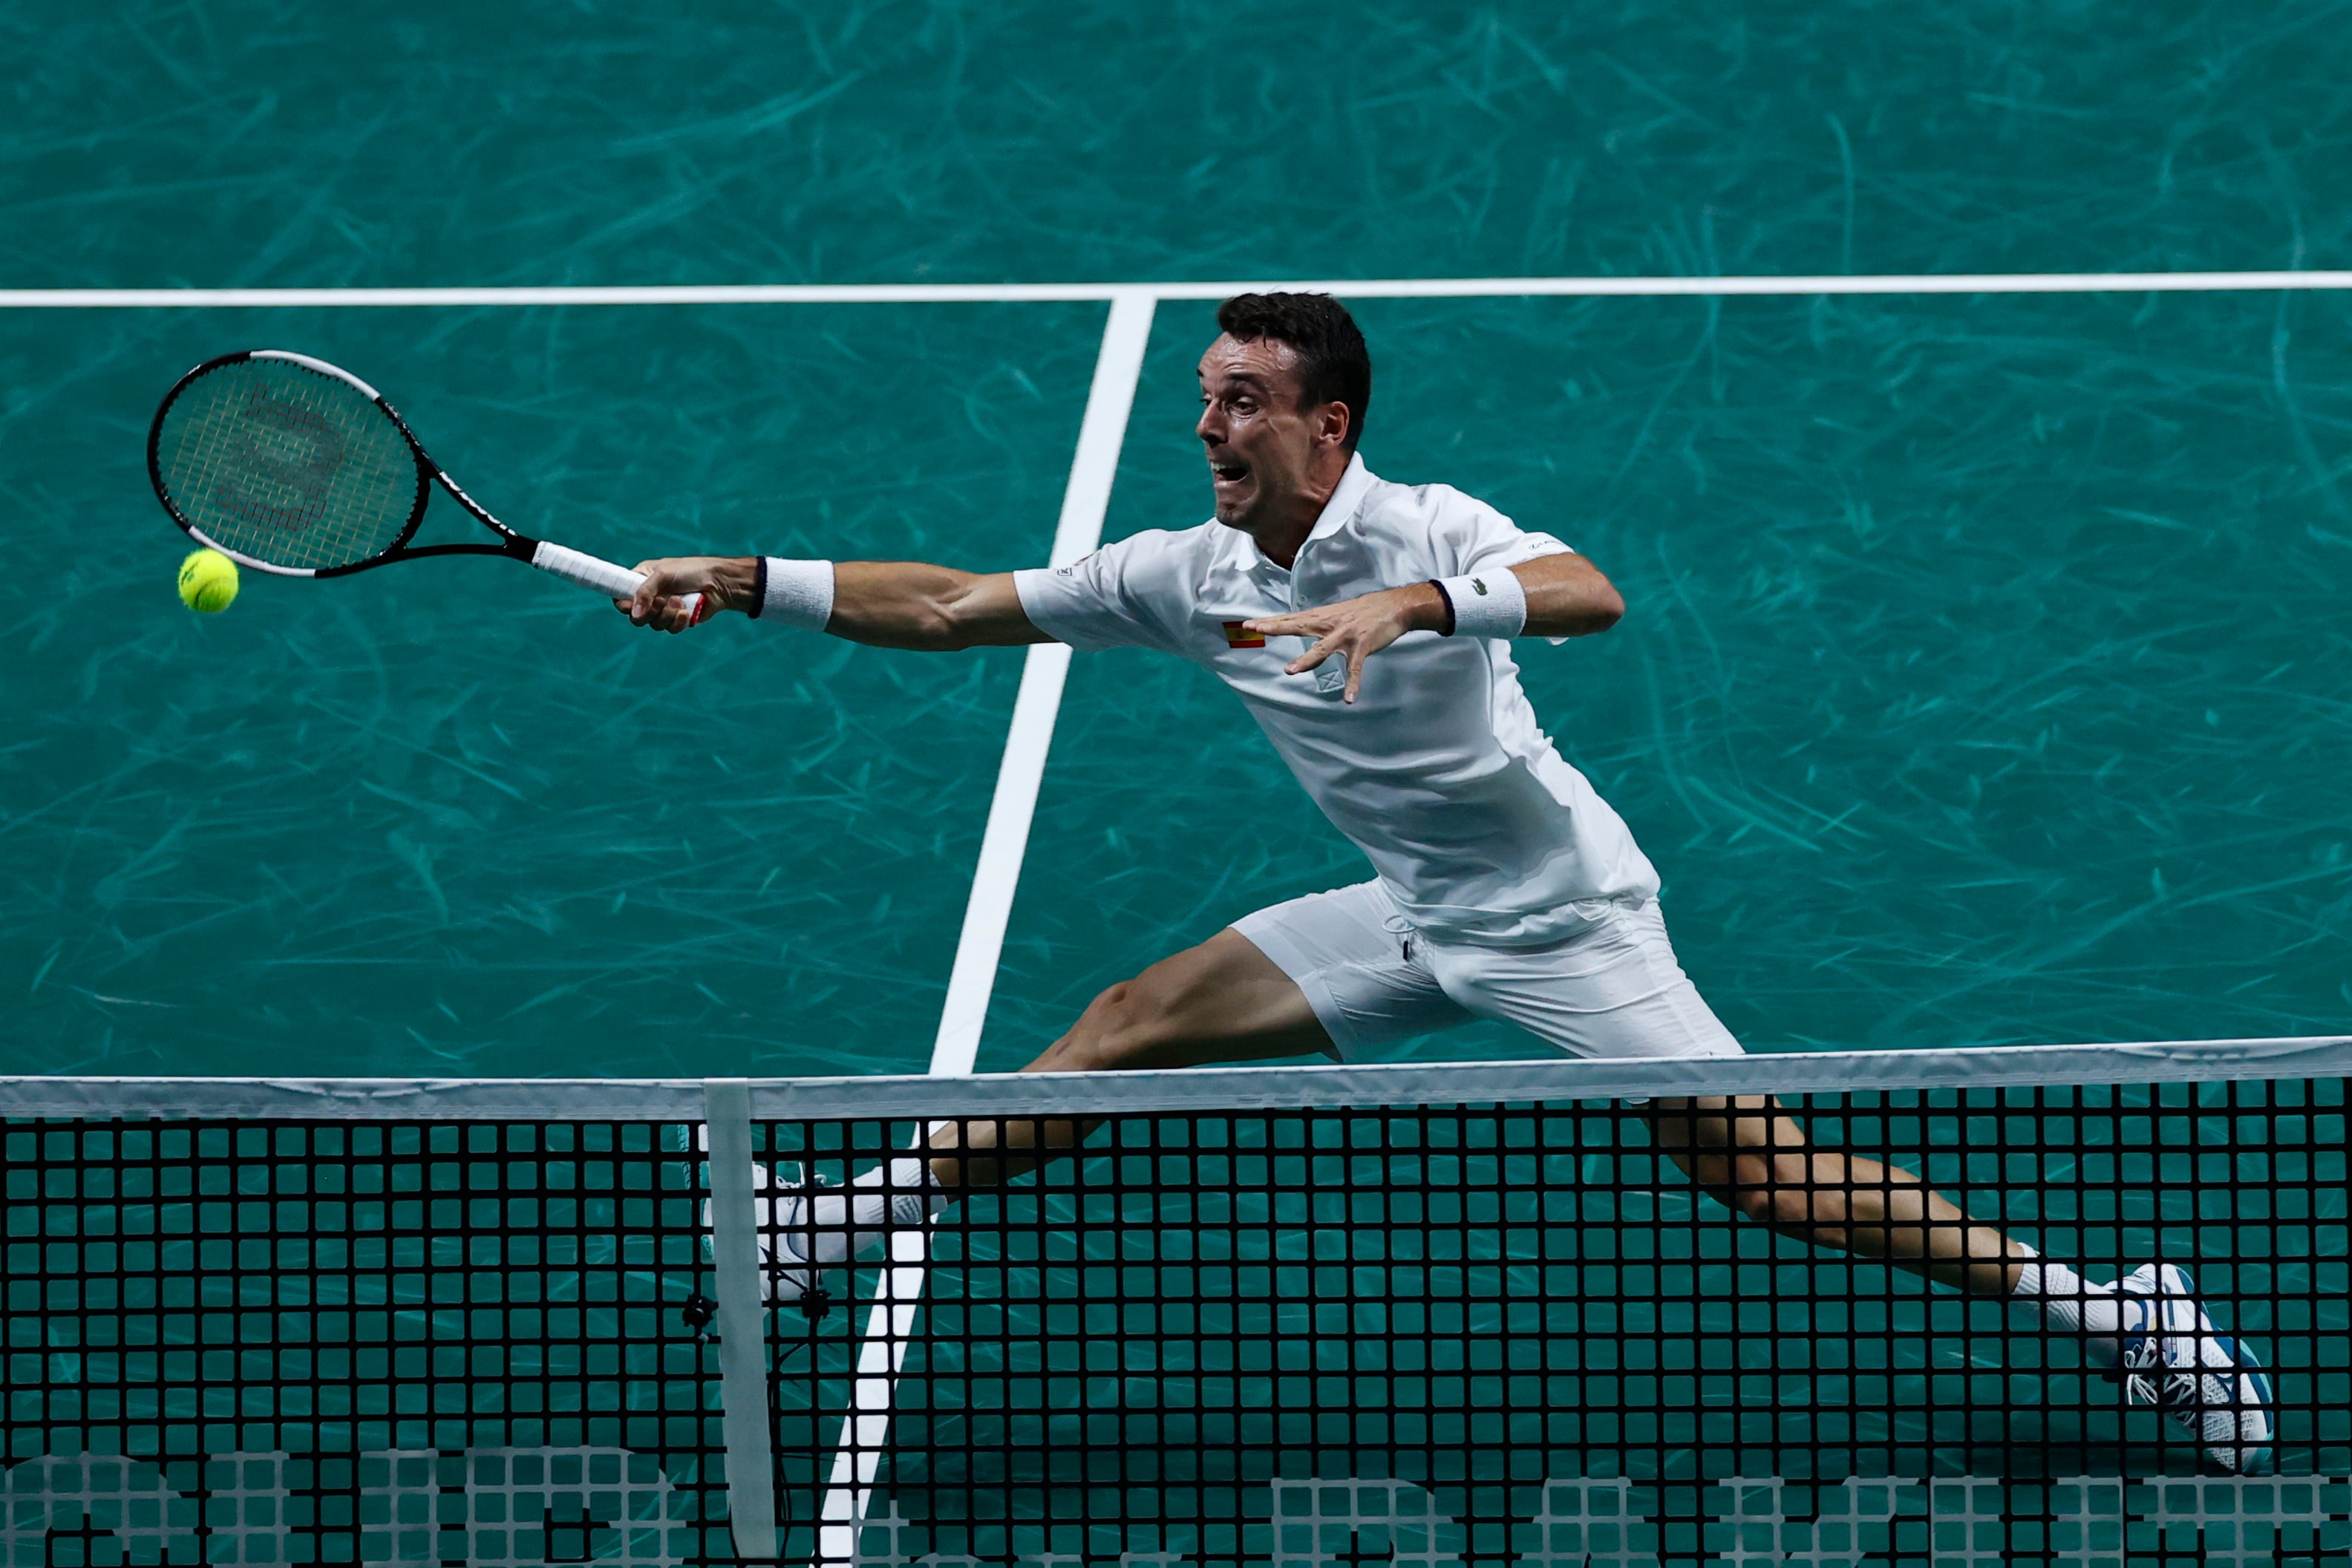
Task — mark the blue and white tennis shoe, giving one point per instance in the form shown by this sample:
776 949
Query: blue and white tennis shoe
2174 1358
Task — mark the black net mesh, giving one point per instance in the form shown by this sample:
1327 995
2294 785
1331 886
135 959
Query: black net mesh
287 465
1459 1334
306 1342
1488 1335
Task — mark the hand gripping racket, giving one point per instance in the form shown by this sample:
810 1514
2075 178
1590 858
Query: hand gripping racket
289 465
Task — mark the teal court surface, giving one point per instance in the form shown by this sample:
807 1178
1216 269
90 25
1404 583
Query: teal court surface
1978 686
1958 398
1954 710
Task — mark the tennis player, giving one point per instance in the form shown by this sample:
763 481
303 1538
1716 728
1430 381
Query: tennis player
1370 627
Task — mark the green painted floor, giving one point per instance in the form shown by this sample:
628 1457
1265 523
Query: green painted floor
1981 682
253 142
459 819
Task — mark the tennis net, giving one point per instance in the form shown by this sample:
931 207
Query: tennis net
1468 1314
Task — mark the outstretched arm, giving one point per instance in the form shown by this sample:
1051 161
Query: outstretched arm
889 604
1568 596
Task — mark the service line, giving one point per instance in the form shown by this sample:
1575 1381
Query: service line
1049 293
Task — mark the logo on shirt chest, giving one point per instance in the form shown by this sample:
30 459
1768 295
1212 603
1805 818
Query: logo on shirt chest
1328 679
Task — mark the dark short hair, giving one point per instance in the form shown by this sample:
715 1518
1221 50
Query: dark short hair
1334 366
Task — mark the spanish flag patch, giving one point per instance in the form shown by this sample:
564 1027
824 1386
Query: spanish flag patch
1239 636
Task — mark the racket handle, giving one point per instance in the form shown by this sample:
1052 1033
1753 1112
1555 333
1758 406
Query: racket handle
602 576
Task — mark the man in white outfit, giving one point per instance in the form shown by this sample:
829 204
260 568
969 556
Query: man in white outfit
1369 628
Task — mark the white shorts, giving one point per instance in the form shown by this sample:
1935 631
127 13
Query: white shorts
1611 990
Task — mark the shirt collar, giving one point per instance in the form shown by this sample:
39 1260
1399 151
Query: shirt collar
1345 502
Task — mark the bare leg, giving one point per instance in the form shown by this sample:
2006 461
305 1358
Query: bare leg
1756 1160
1223 1001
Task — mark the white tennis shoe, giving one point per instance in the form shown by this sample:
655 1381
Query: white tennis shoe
2174 1358
806 1230
788 1272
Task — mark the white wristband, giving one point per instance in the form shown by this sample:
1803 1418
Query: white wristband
1489 603
797 592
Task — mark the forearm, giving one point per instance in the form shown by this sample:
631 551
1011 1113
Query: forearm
1568 596
913 605
1561 596
888 604
896 603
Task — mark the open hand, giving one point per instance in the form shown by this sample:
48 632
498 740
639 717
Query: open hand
1355 629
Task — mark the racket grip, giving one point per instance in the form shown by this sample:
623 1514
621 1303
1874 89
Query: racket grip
602 576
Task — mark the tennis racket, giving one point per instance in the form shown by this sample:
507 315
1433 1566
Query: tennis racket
287 464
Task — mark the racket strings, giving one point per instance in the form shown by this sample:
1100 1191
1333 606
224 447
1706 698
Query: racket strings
287 466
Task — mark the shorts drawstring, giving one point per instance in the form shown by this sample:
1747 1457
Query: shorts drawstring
1401 929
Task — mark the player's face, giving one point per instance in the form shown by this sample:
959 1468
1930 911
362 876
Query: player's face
1262 447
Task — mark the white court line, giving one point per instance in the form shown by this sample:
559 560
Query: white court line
1085 502
882 1351
1047 293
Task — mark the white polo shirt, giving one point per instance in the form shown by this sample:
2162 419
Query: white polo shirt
1439 772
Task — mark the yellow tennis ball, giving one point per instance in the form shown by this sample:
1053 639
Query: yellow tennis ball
208 582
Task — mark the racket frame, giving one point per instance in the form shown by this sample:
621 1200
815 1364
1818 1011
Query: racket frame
573 566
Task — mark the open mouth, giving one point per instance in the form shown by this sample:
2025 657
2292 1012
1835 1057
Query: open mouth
1227 473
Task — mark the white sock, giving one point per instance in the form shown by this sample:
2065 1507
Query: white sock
899 1194
2072 1303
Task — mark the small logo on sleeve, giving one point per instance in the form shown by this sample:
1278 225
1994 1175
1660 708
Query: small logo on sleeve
1239 636
1478 585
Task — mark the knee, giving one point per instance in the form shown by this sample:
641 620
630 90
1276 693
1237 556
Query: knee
1119 1029
1779 1206
1113 1010
1747 1203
